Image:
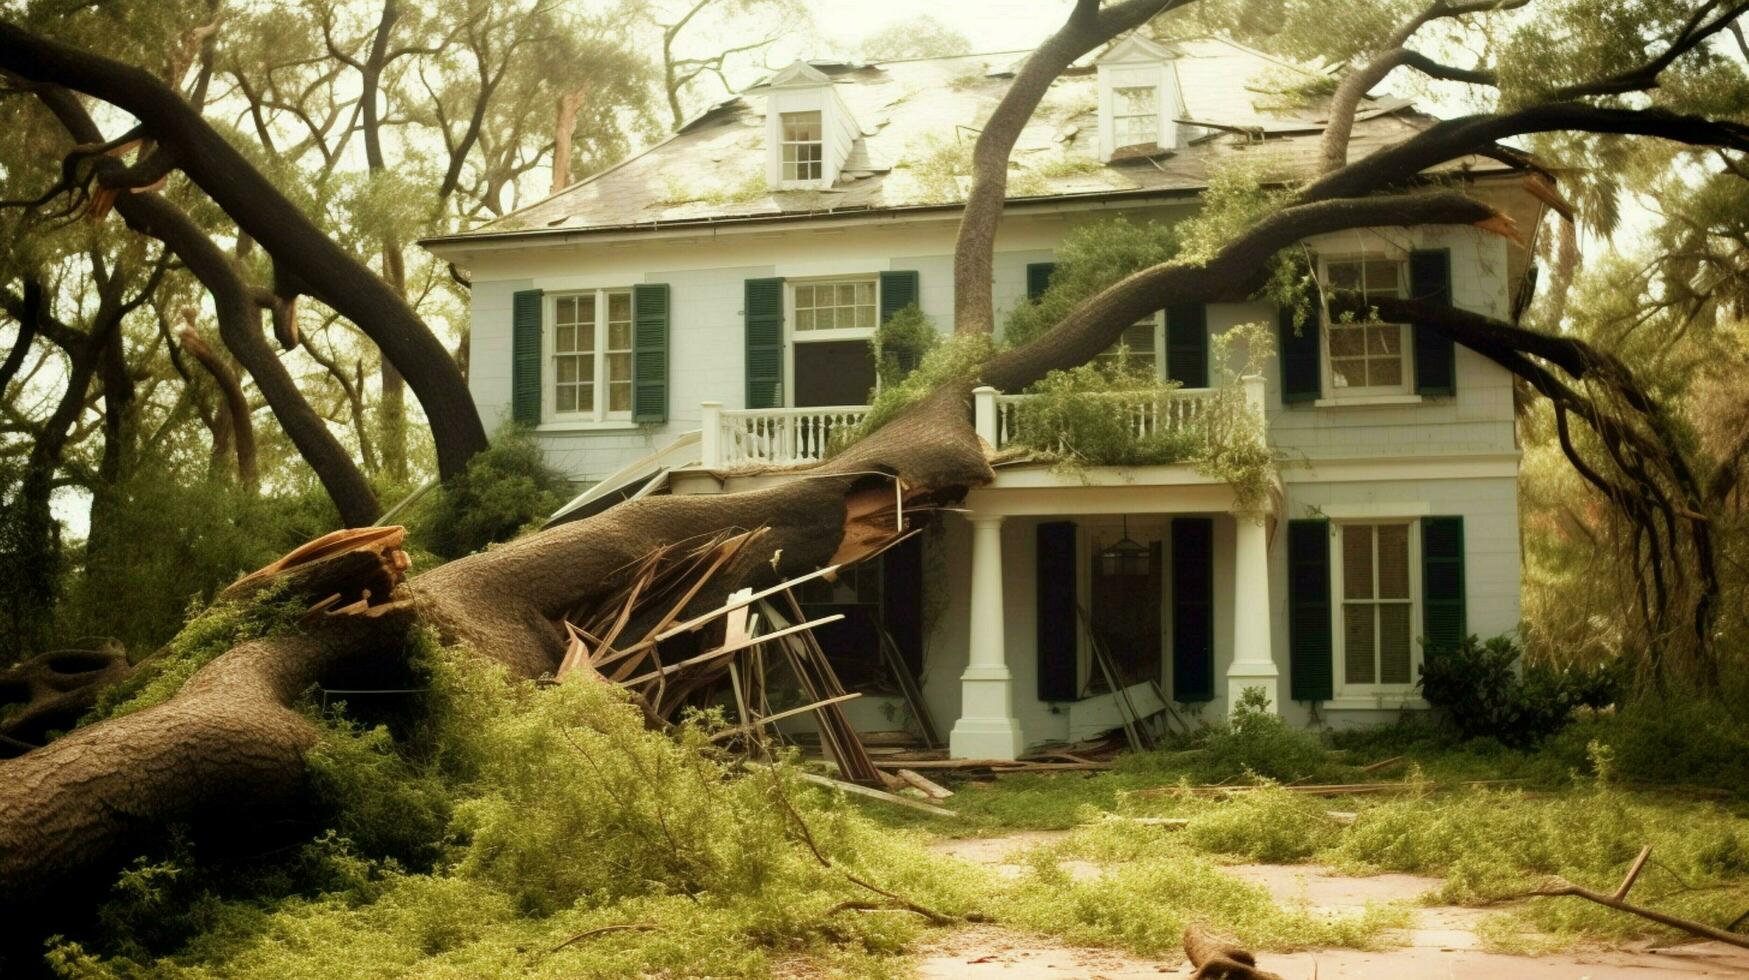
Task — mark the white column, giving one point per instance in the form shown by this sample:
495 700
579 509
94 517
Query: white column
986 728
710 434
1253 664
984 415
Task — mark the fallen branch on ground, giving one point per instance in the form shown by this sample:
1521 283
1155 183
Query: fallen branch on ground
1618 901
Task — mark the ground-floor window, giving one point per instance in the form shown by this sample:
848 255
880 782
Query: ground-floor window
1127 590
1377 581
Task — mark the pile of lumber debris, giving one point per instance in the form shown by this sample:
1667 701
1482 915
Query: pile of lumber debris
737 653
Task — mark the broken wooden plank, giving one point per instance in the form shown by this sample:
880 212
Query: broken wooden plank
781 715
931 789
724 651
877 794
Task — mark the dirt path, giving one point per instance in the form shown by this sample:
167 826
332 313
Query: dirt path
1441 943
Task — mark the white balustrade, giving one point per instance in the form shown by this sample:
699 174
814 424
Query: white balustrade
782 436
1147 414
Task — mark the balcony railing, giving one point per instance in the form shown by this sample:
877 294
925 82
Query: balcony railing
788 436
773 436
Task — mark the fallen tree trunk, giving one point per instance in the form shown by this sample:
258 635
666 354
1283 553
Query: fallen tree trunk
1217 958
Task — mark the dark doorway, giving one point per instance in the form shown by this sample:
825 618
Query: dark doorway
833 372
1126 589
884 593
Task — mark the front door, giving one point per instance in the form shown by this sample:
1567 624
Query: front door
1126 586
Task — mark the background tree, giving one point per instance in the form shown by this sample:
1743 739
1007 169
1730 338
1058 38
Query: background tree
914 37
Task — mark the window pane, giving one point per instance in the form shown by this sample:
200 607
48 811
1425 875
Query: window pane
1136 130
1134 101
865 317
586 309
1393 561
619 306
1343 275
619 367
1384 373
847 294
804 297
586 397
565 338
804 319
1357 561
585 338
800 126
865 293
1347 342
1394 643
1381 278
566 398
823 319
619 335
1357 645
1348 374
565 309
619 396
567 370
1384 340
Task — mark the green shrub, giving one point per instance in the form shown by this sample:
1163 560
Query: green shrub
1678 737
901 343
505 489
1485 693
1259 742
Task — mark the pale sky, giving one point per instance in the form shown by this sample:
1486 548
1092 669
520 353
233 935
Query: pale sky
992 25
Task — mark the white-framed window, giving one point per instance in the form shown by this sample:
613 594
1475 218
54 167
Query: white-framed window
1141 343
1363 357
1135 115
803 146
591 341
1377 582
835 309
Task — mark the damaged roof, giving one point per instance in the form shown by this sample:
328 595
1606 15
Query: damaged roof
919 119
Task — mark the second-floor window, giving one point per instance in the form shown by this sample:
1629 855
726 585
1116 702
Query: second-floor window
1135 115
1367 358
803 146
1376 580
592 355
835 305
1138 349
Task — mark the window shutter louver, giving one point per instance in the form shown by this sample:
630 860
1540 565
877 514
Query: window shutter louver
1435 354
764 317
525 356
1187 345
1310 667
1193 609
1442 584
650 353
1038 279
1057 656
898 290
1301 372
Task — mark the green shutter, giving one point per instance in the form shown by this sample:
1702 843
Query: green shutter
1038 279
1055 581
1300 358
898 290
525 344
764 316
650 353
1193 609
1442 583
1310 673
1187 345
1435 355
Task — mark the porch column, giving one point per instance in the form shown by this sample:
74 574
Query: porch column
986 728
1253 664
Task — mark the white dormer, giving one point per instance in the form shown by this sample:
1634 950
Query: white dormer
809 131
1139 102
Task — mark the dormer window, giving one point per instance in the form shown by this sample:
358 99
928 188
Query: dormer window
1135 115
1138 99
803 147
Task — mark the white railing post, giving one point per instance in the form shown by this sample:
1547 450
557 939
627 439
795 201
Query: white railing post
710 436
984 415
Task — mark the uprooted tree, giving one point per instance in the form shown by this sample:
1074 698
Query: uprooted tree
230 743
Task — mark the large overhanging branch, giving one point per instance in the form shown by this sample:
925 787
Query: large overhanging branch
1444 141
1088 27
274 221
1236 272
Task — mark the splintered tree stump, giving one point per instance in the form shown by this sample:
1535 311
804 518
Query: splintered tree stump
1218 958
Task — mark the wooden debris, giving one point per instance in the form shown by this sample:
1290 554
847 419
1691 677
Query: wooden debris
1382 764
1327 789
876 794
933 790
1618 901
1219 958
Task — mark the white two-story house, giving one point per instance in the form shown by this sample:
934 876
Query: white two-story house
697 319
